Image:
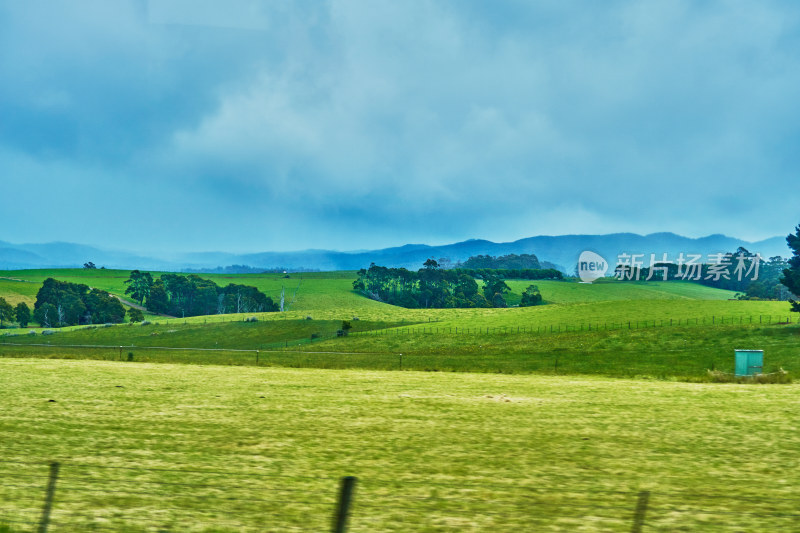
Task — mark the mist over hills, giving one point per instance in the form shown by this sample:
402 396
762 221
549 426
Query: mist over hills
561 250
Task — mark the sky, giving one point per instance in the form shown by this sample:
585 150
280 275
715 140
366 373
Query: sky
246 126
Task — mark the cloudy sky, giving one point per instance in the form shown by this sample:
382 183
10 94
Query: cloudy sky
251 125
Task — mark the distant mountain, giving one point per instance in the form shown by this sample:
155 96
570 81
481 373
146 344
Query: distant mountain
561 250
65 254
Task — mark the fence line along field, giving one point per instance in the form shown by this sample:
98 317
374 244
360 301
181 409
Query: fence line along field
207 448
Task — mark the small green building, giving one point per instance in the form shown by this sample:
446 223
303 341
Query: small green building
749 362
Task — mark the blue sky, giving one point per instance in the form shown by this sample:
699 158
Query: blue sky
269 125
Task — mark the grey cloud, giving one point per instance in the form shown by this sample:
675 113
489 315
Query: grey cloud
411 121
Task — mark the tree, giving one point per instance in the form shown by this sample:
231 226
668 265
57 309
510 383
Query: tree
6 311
89 265
23 313
158 301
45 315
531 296
140 285
494 288
791 275
135 315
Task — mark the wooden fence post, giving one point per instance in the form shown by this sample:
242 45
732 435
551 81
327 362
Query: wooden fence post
641 509
48 500
343 505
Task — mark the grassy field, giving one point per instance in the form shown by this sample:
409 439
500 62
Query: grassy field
653 329
560 414
678 352
203 448
329 296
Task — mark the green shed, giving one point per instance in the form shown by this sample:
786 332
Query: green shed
749 362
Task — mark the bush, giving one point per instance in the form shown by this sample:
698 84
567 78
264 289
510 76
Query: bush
135 315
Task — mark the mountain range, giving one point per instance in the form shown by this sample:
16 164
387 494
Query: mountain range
561 251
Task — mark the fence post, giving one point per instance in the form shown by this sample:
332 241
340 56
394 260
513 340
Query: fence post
256 357
48 500
343 505
641 509
401 361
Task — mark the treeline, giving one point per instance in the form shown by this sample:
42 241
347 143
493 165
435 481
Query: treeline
434 287
61 303
740 271
177 295
512 273
510 261
245 269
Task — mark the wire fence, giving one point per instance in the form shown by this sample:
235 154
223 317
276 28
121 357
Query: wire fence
92 497
706 321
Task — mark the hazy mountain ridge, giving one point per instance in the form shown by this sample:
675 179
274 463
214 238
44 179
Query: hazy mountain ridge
562 250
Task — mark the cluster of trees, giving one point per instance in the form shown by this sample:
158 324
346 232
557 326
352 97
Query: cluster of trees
177 295
434 287
21 313
531 296
61 303
510 261
766 285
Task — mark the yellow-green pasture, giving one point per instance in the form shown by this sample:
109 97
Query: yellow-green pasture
206 448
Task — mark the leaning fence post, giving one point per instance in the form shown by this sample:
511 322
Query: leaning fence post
641 509
343 505
48 500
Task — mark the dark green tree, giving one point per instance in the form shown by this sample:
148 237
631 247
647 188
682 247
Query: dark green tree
140 285
791 275
73 309
158 302
531 296
46 315
493 284
104 308
6 311
23 313
135 315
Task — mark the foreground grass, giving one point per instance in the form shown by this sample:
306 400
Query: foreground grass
188 448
